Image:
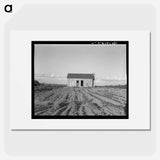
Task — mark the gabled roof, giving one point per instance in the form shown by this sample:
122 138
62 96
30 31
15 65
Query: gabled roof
80 76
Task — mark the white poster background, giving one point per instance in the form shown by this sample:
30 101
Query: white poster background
139 80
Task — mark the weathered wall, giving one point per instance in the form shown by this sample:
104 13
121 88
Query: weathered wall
86 82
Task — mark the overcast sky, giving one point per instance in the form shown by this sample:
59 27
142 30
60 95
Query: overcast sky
106 61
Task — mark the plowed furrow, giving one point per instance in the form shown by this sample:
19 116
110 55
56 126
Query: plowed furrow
108 107
70 101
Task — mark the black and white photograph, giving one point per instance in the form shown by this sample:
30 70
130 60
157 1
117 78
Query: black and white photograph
80 79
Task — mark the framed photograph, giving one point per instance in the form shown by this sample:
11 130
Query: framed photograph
80 79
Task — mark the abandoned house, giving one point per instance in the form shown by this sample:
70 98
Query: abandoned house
80 80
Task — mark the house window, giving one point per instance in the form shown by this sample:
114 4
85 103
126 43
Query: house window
81 83
77 83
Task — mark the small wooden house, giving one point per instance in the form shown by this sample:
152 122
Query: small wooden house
80 80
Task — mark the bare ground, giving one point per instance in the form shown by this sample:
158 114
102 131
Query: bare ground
80 101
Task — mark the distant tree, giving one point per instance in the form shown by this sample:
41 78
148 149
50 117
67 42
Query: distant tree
36 83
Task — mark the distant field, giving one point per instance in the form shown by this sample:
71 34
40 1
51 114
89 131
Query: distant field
62 100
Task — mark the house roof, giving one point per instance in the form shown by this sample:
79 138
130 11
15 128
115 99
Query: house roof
80 76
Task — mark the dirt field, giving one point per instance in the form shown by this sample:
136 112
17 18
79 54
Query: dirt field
60 100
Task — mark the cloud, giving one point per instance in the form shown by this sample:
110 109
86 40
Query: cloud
51 79
52 75
103 82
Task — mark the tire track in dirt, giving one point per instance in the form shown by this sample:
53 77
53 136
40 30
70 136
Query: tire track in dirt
114 97
119 95
71 103
105 98
81 104
42 108
68 105
50 98
95 104
76 105
59 102
102 102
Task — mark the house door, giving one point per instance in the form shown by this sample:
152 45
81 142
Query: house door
77 83
81 83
